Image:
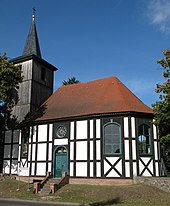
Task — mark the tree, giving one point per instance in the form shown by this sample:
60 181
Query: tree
71 80
162 107
10 77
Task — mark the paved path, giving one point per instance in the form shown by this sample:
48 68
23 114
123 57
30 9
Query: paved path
14 202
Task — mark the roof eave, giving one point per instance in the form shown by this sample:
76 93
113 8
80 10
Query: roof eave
87 116
33 56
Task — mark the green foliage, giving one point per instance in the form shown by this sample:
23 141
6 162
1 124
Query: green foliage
10 77
162 107
71 80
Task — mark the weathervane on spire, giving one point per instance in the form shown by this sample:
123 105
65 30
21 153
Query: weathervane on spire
33 13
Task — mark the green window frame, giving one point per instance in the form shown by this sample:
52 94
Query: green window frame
144 139
112 139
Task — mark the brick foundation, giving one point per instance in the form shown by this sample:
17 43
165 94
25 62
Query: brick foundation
91 181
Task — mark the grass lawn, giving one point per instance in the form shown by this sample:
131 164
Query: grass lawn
132 195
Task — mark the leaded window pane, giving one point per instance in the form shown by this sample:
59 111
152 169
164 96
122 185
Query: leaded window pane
7 151
108 149
144 140
15 151
116 148
16 136
8 136
112 139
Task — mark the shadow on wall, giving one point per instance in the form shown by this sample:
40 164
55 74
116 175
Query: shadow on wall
31 116
108 202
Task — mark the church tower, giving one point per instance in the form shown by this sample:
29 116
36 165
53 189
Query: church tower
38 76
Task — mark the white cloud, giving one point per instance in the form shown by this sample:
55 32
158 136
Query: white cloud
158 13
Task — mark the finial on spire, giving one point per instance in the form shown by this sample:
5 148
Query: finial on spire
33 13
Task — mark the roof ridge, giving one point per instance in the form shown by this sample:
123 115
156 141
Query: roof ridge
88 82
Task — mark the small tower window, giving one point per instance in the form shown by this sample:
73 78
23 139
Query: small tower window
43 73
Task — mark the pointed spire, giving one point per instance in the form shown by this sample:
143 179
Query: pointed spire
32 43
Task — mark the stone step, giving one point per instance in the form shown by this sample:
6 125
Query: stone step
46 188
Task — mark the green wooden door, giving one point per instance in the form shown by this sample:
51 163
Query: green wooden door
61 161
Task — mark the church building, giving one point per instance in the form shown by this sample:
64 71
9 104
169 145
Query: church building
97 131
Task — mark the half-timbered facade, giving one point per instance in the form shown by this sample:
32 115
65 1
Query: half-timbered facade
97 129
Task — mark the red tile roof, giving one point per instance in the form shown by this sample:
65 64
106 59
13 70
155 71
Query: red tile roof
104 96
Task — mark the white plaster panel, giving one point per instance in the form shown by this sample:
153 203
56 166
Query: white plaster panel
81 150
126 128
98 150
98 169
98 128
50 151
49 167
72 131
19 153
6 166
106 166
112 160
81 129
33 152
41 153
154 132
20 138
41 169
29 152
146 174
34 133
156 150
62 141
14 167
145 159
71 169
31 130
71 150
126 149
134 169
127 169
119 166
133 127
91 129
32 168
81 169
157 168
50 132
113 173
150 166
134 149
91 150
91 169
42 133
141 167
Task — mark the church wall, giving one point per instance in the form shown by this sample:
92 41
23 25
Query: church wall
84 142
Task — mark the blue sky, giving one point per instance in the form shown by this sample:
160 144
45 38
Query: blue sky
93 39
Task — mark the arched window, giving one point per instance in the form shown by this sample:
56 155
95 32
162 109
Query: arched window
144 139
112 139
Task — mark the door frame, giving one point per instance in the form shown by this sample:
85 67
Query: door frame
54 157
